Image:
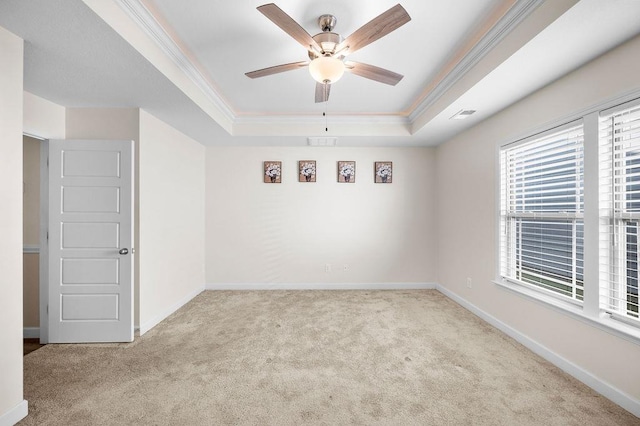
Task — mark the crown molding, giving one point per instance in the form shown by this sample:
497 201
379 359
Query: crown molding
141 15
514 16
251 124
290 125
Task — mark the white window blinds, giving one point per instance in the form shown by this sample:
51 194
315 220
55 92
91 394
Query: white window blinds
542 206
619 211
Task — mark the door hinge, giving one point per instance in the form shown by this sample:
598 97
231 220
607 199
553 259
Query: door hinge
47 235
47 161
47 309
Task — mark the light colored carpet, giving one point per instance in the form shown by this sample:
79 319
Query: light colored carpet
311 357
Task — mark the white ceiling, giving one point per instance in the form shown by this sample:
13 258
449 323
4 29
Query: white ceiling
231 38
185 62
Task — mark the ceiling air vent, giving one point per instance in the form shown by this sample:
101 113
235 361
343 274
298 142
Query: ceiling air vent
322 141
462 114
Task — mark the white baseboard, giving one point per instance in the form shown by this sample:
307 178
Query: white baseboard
159 318
14 415
621 398
31 332
321 286
30 249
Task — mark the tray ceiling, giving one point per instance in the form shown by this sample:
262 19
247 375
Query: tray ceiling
185 62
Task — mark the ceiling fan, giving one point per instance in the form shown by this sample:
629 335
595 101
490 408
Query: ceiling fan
327 50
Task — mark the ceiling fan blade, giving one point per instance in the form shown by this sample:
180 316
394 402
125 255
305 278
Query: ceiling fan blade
377 28
288 25
322 92
276 69
373 73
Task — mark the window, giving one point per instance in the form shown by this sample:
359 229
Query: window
576 183
620 211
542 212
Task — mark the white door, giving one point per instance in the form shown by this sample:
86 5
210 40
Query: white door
90 241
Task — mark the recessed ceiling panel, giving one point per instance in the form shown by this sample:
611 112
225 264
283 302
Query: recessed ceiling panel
229 39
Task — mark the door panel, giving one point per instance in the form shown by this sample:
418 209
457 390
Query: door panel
90 221
90 271
83 307
90 200
90 235
86 163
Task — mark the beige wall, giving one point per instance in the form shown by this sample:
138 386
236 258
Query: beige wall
43 118
171 248
31 185
260 233
31 290
102 123
11 71
466 217
31 230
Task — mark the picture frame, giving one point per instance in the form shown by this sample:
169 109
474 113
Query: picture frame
272 171
383 172
346 171
307 171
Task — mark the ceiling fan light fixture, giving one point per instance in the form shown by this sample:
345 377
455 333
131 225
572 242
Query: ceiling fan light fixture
326 69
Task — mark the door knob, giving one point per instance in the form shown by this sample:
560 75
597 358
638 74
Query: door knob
124 251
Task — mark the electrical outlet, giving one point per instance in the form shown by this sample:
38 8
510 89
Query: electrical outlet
327 268
469 282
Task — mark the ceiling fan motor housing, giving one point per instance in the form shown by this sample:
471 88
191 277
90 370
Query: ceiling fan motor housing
328 41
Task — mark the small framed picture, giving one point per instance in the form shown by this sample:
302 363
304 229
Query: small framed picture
306 171
346 171
272 171
383 172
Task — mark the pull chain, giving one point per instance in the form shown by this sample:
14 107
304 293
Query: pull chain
326 107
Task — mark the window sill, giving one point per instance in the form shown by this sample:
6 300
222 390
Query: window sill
602 322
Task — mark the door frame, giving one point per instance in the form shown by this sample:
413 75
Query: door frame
43 247
43 259
44 242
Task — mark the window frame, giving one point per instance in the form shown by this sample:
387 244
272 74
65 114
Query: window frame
618 216
508 218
